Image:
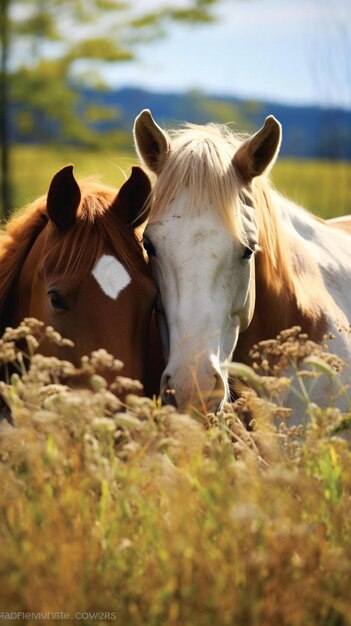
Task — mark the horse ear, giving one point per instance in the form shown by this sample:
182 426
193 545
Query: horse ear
151 142
63 199
132 197
260 150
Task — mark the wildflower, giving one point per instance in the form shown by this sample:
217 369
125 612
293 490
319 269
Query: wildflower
123 384
97 382
103 423
56 338
101 359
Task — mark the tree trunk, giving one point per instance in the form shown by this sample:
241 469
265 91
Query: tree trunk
4 129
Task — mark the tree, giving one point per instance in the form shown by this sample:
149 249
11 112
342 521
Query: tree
4 139
43 45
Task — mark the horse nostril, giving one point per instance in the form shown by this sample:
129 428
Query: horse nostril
168 393
168 397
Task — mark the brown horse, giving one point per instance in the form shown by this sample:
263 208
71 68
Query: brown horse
74 260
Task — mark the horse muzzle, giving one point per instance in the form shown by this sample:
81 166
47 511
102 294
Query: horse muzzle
198 385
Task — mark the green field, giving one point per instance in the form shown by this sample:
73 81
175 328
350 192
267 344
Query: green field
323 187
34 166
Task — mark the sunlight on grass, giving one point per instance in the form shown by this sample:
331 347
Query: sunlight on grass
322 187
34 166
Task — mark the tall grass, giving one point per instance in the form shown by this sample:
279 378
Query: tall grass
129 509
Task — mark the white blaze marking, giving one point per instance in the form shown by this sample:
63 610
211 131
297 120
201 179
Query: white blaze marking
111 275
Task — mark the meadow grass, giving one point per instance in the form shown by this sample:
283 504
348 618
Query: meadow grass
320 186
34 166
111 504
129 509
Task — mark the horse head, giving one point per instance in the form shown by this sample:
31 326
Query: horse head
202 237
79 266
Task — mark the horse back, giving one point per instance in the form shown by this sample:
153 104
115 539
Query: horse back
341 223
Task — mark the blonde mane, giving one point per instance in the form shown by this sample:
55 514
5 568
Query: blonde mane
201 159
94 226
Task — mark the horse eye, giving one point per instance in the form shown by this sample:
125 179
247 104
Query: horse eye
247 253
149 247
57 302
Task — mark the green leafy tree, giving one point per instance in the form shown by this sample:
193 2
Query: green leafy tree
4 138
48 48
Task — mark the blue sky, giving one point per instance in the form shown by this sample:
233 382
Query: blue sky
296 51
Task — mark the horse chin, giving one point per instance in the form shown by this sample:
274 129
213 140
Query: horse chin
203 404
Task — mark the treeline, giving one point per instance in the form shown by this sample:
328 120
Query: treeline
108 115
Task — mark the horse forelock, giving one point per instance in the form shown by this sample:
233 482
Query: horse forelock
95 226
200 160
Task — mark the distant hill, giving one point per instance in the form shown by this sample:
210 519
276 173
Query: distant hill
308 131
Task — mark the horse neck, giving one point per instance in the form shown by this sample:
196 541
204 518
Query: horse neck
291 294
15 246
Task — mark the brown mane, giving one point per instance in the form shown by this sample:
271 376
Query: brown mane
94 226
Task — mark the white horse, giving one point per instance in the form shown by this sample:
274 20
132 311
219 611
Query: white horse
235 262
